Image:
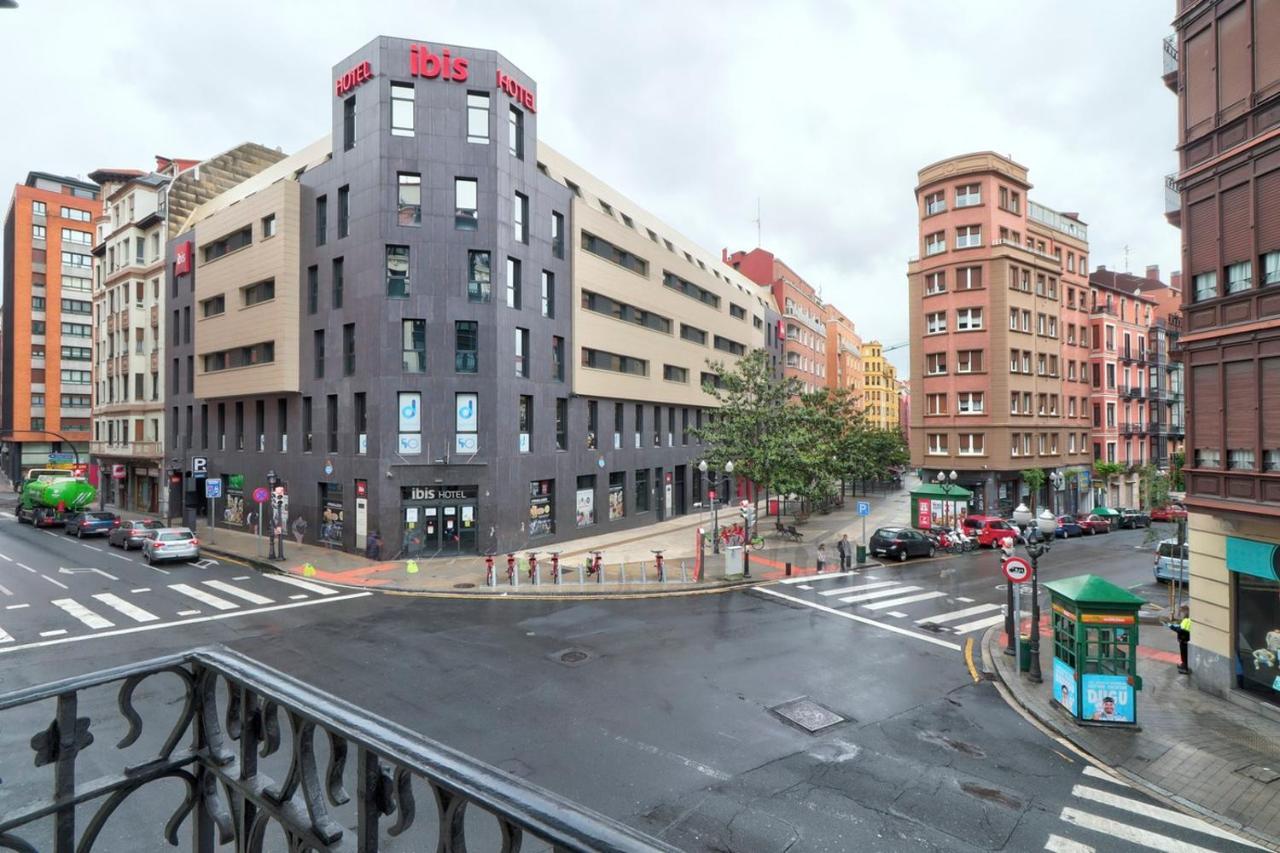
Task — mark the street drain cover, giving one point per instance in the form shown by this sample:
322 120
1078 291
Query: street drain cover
1265 775
571 656
807 714
464 586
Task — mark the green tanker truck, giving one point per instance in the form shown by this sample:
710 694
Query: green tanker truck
46 501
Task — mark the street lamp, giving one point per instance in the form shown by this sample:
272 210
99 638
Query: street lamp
947 482
1056 482
1036 539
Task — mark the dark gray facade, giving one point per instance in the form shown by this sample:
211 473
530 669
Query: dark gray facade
463 492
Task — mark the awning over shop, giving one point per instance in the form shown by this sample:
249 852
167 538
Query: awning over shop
1250 557
1106 512
952 493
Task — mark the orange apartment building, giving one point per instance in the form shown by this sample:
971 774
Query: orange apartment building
844 355
48 322
999 304
803 314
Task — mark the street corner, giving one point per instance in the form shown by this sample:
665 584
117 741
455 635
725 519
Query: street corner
371 576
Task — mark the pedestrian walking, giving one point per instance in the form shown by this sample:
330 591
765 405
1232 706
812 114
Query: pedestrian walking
822 557
1182 628
299 528
373 545
843 548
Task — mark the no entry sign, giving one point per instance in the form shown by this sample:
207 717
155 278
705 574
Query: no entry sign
1016 569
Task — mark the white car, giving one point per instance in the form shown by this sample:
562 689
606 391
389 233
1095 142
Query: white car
171 543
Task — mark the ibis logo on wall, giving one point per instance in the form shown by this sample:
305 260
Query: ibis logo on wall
424 63
182 258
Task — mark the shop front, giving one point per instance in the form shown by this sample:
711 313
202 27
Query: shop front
1255 571
438 520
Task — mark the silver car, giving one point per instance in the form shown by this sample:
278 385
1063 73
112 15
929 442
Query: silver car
1171 561
171 543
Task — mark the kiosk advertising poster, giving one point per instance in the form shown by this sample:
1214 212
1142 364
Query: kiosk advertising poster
1064 686
923 517
331 513
235 514
1107 699
617 505
586 503
542 517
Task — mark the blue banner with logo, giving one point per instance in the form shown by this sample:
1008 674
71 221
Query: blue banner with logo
1107 699
1064 686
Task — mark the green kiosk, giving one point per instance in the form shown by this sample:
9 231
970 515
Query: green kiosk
1095 650
938 506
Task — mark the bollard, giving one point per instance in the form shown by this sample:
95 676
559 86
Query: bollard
644 575
534 577
684 576
622 573
788 570
746 561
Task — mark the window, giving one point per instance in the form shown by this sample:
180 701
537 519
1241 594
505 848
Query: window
520 216
402 109
737 311
971 443
562 424
413 346
968 278
522 353
586 500
322 220
557 358
38 209
313 289
969 403
515 133
601 360
968 195
936 322
671 373
1204 286
349 349
71 213
338 283
729 346
1014 399
935 363
331 421
37 303
935 243
222 246
935 203
1207 458
268 227
246 356
282 423
1270 268
318 352
479 288
513 283
306 423
1026 320
524 422
968 319
642 490
935 404
466 215
39 232
1013 319
557 234
937 442
968 236
689 289
1240 460
398 272
344 211
478 117
548 294
409 198
349 123
969 361
213 306
263 291
75 306
37 328
935 282
466 340
1239 277
604 249
693 334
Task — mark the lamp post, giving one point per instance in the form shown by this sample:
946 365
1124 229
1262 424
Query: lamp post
947 482
1037 539
275 510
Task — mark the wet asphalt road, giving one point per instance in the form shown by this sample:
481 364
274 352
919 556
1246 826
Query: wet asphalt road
666 723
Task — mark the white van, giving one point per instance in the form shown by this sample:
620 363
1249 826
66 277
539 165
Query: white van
1171 562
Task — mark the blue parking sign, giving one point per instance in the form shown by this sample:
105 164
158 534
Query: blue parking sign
864 508
213 487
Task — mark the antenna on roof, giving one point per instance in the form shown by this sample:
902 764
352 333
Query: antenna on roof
1126 257
757 222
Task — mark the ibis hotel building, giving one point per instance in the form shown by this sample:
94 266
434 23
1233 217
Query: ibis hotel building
431 325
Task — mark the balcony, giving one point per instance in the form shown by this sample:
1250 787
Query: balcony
111 322
1170 75
1133 392
1105 308
1172 200
229 717
133 449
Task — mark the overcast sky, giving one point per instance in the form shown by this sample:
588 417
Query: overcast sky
823 110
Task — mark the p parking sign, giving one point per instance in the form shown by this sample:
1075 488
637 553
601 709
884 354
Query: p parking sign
864 508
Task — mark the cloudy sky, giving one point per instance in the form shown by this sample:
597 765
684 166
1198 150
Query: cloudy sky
822 110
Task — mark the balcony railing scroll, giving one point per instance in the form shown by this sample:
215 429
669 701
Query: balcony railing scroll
229 718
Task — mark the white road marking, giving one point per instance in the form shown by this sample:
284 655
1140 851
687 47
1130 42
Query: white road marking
251 597
687 762
896 615
156 568
1095 773
7 559
307 585
134 612
54 582
188 612
909 599
859 588
965 600
47 533
854 617
203 597
978 624
821 577
298 597
84 614
7 515
212 617
141 589
1058 844
91 547
1123 832
57 632
958 614
16 606
1137 807
28 568
804 586
4 636
122 557
880 593
241 578
5 590
85 570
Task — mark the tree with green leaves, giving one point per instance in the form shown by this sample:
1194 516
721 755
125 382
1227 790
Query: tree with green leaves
1034 478
1105 472
1176 462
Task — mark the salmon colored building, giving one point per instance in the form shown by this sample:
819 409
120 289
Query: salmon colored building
48 322
803 314
844 354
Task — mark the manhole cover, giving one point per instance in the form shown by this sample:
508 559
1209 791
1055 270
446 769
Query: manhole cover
464 586
571 656
807 714
1265 775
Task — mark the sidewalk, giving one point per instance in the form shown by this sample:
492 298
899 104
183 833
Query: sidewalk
1210 755
626 554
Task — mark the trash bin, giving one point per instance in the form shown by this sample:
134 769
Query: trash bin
732 561
861 551
1024 653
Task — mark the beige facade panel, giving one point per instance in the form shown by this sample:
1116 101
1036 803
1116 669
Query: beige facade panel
275 320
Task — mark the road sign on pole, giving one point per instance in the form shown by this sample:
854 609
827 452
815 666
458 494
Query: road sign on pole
1016 569
199 464
864 508
213 487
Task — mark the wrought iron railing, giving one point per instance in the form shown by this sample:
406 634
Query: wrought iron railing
229 719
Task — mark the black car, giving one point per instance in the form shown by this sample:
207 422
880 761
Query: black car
129 534
1132 519
901 543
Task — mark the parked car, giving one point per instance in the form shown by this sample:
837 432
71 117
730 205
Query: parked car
1172 512
84 524
1171 561
901 543
1094 524
171 543
1068 527
129 534
989 530
1132 519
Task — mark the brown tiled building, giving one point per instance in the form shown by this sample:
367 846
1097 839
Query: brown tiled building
1225 70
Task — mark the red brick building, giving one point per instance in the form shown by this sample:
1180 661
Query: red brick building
803 314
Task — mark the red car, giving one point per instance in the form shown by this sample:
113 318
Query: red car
988 530
1173 512
1094 524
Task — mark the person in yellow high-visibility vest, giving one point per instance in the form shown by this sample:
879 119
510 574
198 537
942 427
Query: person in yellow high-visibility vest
1182 628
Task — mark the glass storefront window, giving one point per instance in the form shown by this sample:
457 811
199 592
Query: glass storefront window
1258 635
542 508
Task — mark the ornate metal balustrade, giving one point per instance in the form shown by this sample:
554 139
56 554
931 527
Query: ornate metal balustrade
214 751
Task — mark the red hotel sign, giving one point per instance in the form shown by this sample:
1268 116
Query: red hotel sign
182 259
519 93
424 63
362 73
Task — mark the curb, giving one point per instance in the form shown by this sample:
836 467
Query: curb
992 673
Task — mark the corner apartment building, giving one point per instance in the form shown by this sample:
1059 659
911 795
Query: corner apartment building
431 324
880 387
999 304
48 322
844 354
803 314
1225 70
